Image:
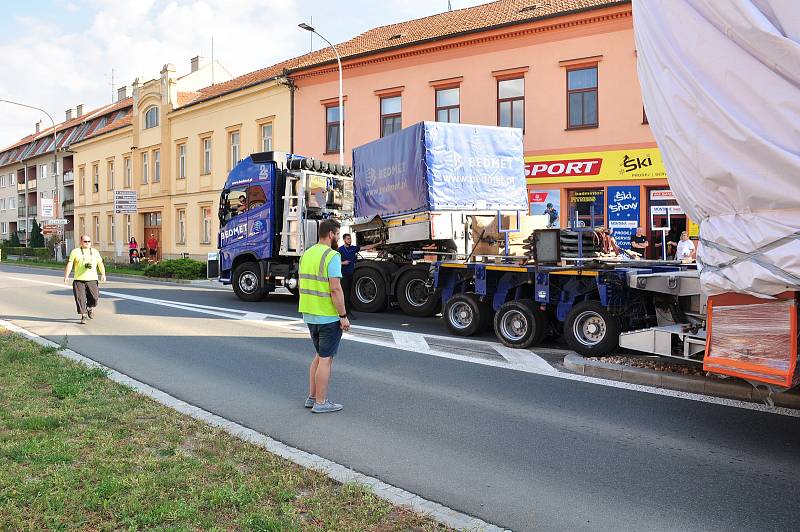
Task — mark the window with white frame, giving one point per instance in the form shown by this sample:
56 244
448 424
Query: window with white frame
12 203
43 171
128 172
82 180
234 137
95 178
181 236
145 167
2 180
110 227
128 228
206 225
2 204
156 166
182 161
110 171
4 228
151 117
207 156
266 137
96 236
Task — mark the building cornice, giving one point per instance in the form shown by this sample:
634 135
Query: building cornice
450 42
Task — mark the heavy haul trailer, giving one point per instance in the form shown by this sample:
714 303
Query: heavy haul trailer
590 304
418 193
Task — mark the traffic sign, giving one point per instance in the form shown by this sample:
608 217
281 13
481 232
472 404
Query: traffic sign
55 221
125 202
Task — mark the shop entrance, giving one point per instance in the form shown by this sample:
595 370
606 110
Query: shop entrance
666 221
152 231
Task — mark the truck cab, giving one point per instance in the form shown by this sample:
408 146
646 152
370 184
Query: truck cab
269 211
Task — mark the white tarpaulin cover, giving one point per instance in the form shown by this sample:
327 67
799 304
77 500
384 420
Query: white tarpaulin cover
721 87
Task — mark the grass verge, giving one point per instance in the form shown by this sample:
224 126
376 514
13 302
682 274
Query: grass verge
111 268
78 451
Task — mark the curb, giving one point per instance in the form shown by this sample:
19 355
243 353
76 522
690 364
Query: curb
735 389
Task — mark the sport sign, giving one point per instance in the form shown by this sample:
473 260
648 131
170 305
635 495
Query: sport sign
617 165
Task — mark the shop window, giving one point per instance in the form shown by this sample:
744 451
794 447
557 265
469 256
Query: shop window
585 206
511 103
582 98
391 115
448 105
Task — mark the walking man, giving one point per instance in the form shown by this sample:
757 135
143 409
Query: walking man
322 305
349 255
87 261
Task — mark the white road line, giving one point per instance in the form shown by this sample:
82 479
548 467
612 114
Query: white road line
524 357
334 470
411 340
527 368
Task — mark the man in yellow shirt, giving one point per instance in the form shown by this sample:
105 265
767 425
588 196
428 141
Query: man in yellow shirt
87 262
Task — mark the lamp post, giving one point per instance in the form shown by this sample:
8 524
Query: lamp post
55 162
341 103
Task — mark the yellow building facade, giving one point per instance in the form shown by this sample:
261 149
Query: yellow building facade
175 154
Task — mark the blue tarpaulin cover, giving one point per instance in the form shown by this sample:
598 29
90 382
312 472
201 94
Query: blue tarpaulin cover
436 166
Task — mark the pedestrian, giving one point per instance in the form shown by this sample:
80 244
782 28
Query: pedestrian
152 246
639 242
132 246
322 305
87 262
685 248
552 213
349 254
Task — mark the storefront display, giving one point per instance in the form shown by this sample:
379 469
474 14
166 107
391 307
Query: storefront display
587 207
546 202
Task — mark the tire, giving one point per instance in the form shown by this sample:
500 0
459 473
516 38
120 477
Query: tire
466 315
369 290
247 282
591 330
520 324
413 296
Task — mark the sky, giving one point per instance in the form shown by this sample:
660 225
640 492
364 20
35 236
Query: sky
56 54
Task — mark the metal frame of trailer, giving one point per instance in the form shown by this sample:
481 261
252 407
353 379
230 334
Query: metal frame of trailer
590 303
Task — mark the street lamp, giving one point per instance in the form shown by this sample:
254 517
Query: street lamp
341 104
55 160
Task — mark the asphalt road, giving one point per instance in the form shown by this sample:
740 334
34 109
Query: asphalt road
520 450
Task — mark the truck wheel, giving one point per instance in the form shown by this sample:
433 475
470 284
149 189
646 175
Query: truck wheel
247 282
465 314
369 290
413 295
591 330
520 324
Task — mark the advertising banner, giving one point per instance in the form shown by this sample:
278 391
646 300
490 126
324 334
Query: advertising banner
539 201
623 213
617 165
47 207
582 201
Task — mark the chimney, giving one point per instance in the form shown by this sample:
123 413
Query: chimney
38 126
122 93
69 115
79 110
197 62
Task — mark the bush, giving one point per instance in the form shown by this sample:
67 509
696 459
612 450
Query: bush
27 253
177 269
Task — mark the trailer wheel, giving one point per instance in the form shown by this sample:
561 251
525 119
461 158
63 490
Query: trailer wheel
369 290
466 315
247 282
413 295
591 330
520 324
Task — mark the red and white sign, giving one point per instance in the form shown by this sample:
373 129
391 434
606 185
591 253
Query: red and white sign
537 197
567 167
662 195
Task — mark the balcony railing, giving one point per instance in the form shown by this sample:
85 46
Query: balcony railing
21 187
32 210
69 177
21 212
69 206
31 184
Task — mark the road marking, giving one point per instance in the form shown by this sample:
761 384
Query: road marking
334 470
528 368
411 340
525 357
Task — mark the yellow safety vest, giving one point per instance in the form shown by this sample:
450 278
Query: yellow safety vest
315 288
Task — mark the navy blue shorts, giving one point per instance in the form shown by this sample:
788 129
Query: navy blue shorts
326 338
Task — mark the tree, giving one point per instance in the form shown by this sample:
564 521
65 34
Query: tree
15 243
37 240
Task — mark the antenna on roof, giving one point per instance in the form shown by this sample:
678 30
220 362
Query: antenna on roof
212 60
113 94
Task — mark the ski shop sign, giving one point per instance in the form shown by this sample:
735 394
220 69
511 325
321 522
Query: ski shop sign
623 213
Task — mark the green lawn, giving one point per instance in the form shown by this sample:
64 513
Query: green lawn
111 268
78 451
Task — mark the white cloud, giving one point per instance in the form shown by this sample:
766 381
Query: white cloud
57 65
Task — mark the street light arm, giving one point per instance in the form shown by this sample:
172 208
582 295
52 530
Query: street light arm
341 99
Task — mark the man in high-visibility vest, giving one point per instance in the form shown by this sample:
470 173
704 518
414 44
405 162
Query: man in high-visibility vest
322 305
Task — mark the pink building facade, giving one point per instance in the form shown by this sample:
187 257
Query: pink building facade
570 81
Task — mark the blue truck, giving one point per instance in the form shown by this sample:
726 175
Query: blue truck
409 194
